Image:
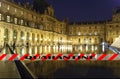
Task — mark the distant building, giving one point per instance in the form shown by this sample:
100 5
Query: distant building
46 34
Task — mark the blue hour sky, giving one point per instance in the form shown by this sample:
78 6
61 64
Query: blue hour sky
83 10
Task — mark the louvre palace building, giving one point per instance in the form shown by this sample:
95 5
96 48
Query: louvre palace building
44 33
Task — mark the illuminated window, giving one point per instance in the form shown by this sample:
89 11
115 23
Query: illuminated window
79 33
0 4
21 22
92 48
103 47
95 33
86 41
8 8
8 18
81 48
15 20
22 36
86 48
15 10
96 48
90 33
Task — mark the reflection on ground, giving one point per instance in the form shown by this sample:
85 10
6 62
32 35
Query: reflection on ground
62 69
8 69
73 69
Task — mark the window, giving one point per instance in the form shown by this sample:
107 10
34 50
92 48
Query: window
15 10
8 7
21 22
0 4
15 35
15 20
90 33
95 33
79 33
22 36
8 18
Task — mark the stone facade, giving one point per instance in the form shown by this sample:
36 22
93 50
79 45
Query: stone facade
46 34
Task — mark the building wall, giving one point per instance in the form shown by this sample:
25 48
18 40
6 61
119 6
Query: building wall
46 34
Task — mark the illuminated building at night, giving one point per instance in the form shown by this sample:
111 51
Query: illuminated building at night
44 33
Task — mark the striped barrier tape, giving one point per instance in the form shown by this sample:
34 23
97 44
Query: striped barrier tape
65 57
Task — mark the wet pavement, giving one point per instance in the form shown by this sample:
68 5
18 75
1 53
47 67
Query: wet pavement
8 69
73 70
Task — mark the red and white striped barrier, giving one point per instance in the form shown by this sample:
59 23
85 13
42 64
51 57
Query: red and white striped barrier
65 57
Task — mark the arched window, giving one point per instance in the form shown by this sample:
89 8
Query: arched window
8 18
22 36
6 35
41 38
38 38
33 37
28 35
14 35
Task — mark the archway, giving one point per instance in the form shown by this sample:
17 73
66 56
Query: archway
14 36
6 35
33 37
22 36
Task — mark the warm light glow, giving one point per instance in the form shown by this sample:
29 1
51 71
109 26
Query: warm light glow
23 38
96 48
35 50
4 36
30 38
81 48
92 41
79 33
53 48
30 51
92 48
23 51
116 39
103 47
56 48
86 48
35 39
45 49
14 36
49 49
86 41
49 40
45 39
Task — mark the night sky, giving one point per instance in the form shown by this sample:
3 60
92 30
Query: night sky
83 10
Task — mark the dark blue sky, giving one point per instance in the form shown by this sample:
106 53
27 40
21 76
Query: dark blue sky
84 10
